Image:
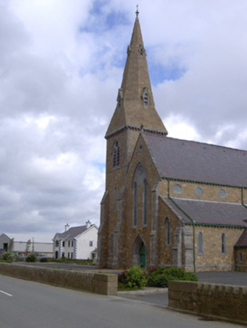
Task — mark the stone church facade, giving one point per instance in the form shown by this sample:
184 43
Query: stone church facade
168 202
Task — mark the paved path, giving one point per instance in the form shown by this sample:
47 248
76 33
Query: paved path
228 277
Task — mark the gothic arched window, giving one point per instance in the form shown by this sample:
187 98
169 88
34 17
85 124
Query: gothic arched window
168 231
145 202
200 243
116 154
135 205
223 243
145 98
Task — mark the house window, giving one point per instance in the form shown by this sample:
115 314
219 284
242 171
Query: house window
168 231
72 255
240 257
145 200
91 243
63 243
116 154
68 255
200 243
135 205
57 243
68 243
72 243
63 254
223 243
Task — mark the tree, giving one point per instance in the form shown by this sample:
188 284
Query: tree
28 244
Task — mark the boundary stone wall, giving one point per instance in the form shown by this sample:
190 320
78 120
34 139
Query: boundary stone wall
224 302
94 282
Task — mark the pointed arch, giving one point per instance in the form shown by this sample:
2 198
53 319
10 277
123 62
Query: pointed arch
116 154
140 180
168 231
139 252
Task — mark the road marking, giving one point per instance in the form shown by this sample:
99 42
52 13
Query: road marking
1 291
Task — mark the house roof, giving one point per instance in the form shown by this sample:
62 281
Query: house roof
242 241
72 232
207 212
190 160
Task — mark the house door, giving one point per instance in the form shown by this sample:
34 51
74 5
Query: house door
143 255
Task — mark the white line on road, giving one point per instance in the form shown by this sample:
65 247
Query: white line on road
1 291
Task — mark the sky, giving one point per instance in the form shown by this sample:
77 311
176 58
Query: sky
61 64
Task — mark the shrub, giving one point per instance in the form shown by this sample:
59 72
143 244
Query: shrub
44 259
161 276
7 256
31 258
133 278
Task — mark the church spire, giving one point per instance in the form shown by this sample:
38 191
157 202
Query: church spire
135 105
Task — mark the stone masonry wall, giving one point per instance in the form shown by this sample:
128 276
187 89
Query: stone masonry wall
212 257
214 301
89 281
208 192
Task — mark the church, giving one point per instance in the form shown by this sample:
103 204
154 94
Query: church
167 202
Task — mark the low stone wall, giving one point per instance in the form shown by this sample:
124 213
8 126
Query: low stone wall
94 282
211 300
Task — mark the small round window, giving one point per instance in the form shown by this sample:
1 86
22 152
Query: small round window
198 191
177 189
222 193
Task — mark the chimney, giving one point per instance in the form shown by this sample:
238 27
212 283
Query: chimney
88 224
67 227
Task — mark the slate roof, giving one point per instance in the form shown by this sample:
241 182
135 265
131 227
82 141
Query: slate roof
207 212
242 241
190 160
72 232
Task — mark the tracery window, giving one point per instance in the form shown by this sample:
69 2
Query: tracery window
116 154
168 231
200 243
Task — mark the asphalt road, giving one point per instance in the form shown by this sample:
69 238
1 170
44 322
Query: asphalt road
25 304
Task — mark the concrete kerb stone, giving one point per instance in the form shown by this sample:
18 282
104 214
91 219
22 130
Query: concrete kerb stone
144 291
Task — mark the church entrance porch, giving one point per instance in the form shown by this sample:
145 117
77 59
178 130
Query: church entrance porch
139 252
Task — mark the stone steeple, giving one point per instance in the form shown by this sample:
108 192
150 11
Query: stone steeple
135 104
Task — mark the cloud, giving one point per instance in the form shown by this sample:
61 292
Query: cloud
61 64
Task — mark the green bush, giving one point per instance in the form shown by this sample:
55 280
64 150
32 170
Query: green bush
31 258
133 278
161 276
44 259
7 256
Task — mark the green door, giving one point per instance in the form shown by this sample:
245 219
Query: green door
143 255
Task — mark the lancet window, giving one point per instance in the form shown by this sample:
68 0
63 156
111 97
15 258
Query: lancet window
116 154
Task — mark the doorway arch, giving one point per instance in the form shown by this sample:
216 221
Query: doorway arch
139 252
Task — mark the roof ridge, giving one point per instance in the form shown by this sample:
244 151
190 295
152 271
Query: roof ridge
196 142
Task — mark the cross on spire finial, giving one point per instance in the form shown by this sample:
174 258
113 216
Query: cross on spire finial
137 12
